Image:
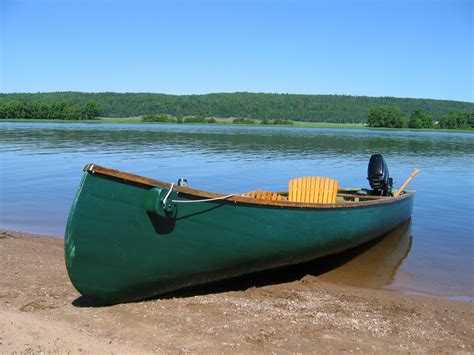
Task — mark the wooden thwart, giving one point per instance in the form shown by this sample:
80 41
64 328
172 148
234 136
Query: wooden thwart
313 189
264 195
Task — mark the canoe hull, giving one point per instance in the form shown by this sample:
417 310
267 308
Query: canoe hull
117 251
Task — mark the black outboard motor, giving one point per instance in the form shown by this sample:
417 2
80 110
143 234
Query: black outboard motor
379 179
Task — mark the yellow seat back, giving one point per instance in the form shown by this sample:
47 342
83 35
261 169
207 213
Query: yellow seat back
313 189
264 195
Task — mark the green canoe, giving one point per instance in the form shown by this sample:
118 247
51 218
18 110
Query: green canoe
122 243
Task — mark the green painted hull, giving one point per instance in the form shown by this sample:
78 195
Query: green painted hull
117 251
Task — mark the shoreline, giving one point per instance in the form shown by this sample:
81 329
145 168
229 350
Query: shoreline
41 311
223 122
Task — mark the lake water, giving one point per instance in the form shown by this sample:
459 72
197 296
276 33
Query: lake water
41 166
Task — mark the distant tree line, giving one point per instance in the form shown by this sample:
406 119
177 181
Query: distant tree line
60 110
394 117
195 119
315 108
455 120
277 122
165 118
158 118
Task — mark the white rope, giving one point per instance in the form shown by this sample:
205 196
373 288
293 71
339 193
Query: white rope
167 195
203 200
193 201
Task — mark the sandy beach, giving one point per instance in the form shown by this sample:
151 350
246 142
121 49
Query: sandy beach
41 311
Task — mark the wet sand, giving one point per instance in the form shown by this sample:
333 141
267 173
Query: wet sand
295 309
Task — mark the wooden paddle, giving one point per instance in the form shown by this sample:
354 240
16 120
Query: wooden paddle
413 174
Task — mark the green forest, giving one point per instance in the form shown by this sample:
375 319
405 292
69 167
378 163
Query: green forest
394 117
311 108
58 110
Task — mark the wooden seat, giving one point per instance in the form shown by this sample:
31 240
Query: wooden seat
313 189
264 195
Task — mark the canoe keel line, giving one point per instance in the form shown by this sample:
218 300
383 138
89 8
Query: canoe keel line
130 238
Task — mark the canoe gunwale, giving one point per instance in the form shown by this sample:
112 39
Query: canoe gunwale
191 193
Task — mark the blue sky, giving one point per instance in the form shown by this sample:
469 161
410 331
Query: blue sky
376 48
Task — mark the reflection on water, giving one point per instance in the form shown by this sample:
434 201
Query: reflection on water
240 142
374 264
41 166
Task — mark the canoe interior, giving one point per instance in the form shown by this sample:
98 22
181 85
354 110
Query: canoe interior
346 197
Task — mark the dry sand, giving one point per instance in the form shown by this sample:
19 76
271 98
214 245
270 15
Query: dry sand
41 311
